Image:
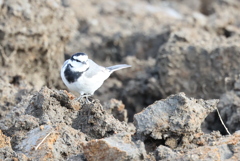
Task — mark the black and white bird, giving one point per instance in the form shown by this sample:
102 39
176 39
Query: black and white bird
84 76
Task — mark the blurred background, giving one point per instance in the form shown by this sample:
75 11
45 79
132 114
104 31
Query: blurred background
173 46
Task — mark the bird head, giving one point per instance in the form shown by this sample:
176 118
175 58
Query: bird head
79 61
80 57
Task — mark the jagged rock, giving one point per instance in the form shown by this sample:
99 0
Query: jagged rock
164 153
171 46
117 109
6 151
97 123
4 140
218 149
52 106
47 142
117 147
228 107
176 115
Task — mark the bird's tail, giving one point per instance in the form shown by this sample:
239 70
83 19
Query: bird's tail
118 67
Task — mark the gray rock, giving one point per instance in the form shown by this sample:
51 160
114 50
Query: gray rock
164 153
97 123
117 109
52 106
175 115
60 143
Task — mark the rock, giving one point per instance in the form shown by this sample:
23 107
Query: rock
217 149
6 151
52 106
33 36
97 123
34 137
228 107
205 65
163 152
117 109
47 142
117 147
14 99
210 153
4 140
229 110
177 115
190 47
79 157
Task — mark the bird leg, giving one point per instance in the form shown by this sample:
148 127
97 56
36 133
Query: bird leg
86 96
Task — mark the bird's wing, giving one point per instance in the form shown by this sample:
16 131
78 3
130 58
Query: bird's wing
118 67
94 69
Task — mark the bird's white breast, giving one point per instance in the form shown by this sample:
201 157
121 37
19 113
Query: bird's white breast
89 81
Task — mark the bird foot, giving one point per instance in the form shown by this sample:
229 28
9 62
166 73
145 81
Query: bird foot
86 101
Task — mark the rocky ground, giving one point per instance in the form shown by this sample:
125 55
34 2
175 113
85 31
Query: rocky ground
185 64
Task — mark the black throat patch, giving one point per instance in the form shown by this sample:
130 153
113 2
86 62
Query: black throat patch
70 75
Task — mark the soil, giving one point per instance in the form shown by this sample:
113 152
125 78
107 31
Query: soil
185 60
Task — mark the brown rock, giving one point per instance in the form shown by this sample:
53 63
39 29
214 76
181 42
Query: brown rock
118 147
4 140
33 35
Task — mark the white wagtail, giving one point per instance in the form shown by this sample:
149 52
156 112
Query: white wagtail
84 76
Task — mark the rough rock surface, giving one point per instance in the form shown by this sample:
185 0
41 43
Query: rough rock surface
229 109
57 143
225 148
95 122
177 115
32 38
118 147
173 46
52 125
117 109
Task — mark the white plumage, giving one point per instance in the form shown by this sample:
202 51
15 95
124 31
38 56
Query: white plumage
84 76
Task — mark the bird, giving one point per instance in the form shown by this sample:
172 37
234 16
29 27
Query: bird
82 75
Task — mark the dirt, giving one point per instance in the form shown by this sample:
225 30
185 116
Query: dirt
185 65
